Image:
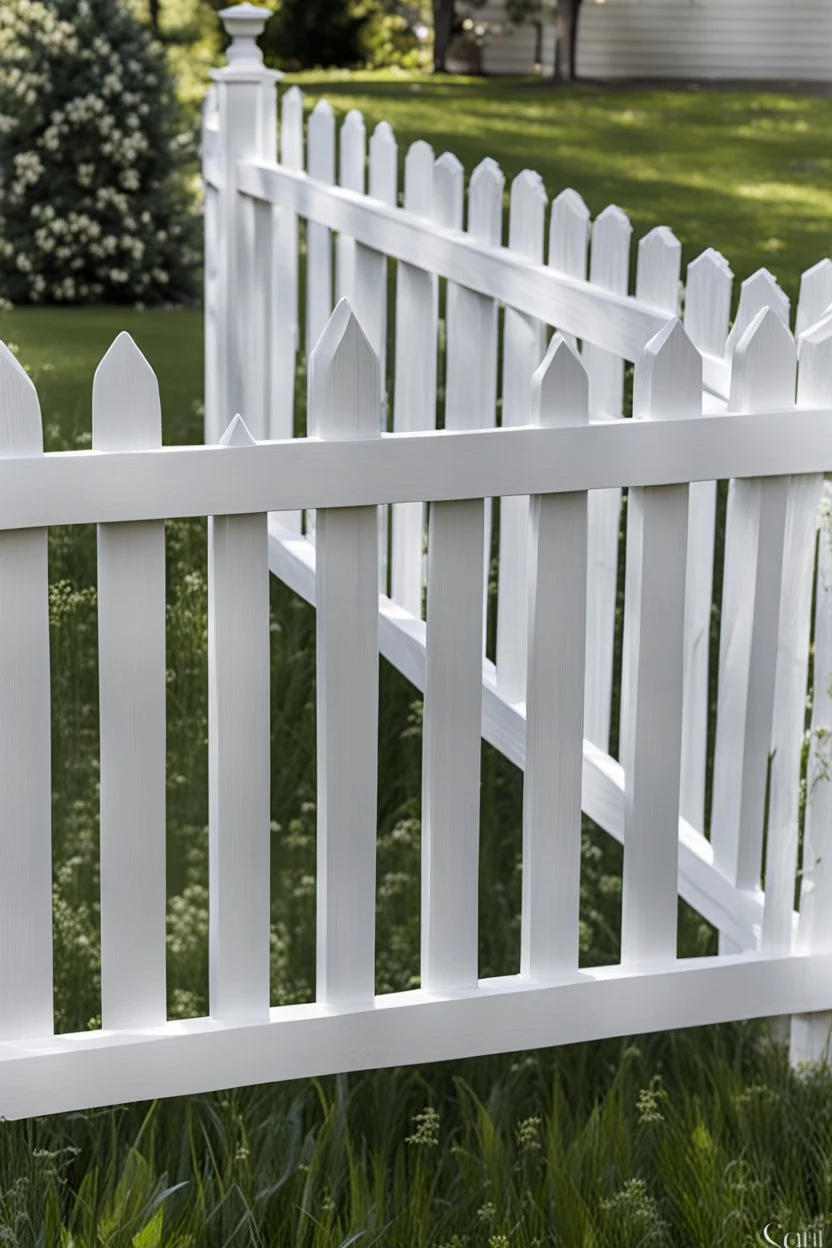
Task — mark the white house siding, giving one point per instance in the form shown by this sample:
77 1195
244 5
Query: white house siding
762 39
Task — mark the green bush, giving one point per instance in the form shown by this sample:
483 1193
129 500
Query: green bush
94 205
310 34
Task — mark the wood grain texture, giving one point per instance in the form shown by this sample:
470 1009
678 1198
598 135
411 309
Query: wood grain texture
343 396
25 737
668 385
127 416
555 692
238 757
523 346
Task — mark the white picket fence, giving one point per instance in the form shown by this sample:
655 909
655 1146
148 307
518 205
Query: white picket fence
709 405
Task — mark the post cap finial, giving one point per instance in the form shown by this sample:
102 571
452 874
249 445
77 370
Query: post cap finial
245 24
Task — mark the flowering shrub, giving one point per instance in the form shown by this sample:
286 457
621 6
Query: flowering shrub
93 198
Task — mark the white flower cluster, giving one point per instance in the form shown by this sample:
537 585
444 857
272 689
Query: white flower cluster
91 197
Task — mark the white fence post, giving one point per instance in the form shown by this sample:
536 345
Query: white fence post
763 377
668 385
239 757
212 241
343 400
815 295
25 741
523 343
320 164
569 238
247 108
555 691
127 416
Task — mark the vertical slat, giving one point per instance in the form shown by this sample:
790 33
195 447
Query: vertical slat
555 691
25 733
804 495
760 290
285 248
343 395
609 269
569 238
668 385
127 416
238 758
415 399
320 164
212 333
352 159
707 309
371 299
815 295
657 283
471 368
451 746
763 377
259 383
523 344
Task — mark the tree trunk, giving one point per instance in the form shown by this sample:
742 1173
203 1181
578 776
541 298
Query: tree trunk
567 39
154 7
443 24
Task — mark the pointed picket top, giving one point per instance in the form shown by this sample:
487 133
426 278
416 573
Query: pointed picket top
527 212
344 380
485 202
708 301
668 377
609 259
320 139
760 290
21 428
764 366
815 295
384 164
126 409
814 372
448 191
569 234
353 152
658 269
560 387
291 129
418 178
237 434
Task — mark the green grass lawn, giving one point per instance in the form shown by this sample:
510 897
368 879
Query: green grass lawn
692 1138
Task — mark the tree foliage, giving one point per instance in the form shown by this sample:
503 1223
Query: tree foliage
94 205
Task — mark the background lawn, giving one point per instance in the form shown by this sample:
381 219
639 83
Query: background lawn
687 1138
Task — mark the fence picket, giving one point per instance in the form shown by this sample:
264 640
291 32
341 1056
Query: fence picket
804 496
657 282
25 732
351 175
285 246
451 746
416 363
238 758
569 239
320 164
555 691
608 268
343 395
471 335
127 416
815 295
707 309
763 377
523 344
760 290
668 385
